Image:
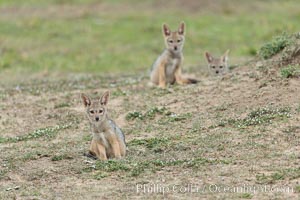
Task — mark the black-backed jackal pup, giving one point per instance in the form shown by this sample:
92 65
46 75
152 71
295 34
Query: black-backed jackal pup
217 66
108 139
167 68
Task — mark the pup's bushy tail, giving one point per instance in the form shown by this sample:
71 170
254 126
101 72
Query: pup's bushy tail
90 155
192 81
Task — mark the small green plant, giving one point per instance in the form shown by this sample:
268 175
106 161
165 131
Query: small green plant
298 108
297 189
262 178
150 114
134 115
290 173
136 168
291 129
3 95
119 92
251 51
246 196
87 137
61 105
259 116
275 46
277 176
100 175
266 114
31 156
150 143
61 157
173 117
290 71
222 107
112 165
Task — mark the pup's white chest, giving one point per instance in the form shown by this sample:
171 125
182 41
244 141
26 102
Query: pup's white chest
101 137
171 66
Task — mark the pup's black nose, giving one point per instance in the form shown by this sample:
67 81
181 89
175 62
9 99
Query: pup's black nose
97 118
175 48
217 72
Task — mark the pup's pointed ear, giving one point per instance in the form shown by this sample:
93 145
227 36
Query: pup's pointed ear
209 57
181 28
104 98
225 56
85 99
166 30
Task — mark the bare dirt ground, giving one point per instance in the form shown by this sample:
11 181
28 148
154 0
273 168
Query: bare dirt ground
241 130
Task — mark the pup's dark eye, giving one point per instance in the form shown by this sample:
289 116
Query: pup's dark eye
178 40
221 67
92 112
100 111
213 67
171 41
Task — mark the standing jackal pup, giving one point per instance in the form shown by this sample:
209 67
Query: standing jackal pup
167 68
108 139
217 66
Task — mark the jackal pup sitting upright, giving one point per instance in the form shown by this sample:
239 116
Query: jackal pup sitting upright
108 139
167 68
217 66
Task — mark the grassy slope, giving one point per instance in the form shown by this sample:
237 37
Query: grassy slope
239 130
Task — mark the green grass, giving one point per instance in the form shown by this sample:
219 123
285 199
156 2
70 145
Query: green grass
297 189
273 47
290 71
166 115
173 117
61 105
48 132
134 115
100 175
31 156
103 41
149 114
246 196
135 168
259 116
290 173
156 144
61 157
298 108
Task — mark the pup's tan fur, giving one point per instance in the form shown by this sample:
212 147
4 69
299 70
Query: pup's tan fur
167 69
108 139
217 66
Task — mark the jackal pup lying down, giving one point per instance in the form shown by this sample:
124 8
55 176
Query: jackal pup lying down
217 66
168 66
108 139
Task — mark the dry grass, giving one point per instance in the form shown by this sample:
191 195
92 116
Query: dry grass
179 138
